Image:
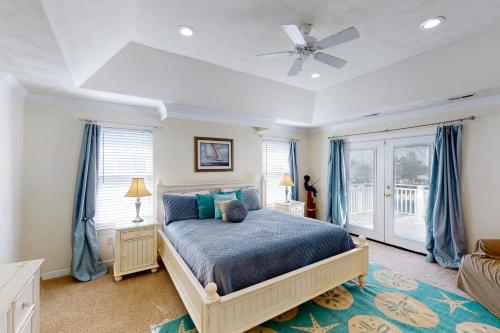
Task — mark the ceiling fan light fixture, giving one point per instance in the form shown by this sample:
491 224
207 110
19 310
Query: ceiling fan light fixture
186 30
315 75
433 22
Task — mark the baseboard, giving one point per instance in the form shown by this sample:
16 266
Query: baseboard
56 274
67 271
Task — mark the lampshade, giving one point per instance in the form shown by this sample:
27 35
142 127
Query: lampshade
286 180
138 188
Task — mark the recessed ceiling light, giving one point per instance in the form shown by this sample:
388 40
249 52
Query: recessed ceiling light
315 75
433 22
186 30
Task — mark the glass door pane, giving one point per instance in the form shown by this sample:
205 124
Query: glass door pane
411 190
365 188
408 164
361 188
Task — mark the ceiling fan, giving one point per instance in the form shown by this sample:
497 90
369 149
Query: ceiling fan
306 46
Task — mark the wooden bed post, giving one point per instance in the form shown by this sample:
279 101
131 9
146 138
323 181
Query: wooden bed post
211 290
363 244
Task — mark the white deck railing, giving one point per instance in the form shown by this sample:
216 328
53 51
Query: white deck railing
408 199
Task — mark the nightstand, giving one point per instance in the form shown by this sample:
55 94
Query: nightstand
292 207
135 248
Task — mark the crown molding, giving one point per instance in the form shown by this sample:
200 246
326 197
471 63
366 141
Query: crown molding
182 111
419 111
13 85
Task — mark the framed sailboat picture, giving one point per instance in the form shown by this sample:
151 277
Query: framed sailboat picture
213 154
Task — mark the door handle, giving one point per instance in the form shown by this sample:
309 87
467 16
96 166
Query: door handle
387 194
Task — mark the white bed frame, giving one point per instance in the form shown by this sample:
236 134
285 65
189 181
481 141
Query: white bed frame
249 307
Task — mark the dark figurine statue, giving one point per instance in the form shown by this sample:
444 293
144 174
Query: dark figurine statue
310 188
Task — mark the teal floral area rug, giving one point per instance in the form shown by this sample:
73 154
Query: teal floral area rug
390 303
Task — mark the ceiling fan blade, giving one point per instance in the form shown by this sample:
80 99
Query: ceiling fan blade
296 67
330 60
275 54
294 33
339 38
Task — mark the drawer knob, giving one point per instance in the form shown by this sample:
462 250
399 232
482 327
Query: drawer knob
26 304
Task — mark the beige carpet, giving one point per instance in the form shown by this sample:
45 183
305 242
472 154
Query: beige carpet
145 299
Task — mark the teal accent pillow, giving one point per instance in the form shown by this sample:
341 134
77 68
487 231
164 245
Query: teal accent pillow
221 197
206 208
239 194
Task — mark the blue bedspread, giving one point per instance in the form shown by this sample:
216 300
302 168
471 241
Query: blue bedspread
265 245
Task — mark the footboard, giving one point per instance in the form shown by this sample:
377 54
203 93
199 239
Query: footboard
249 307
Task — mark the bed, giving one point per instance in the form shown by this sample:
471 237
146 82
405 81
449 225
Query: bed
217 272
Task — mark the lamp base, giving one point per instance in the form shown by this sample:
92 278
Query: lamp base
286 195
138 209
138 219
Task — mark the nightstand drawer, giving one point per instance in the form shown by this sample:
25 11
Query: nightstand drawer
297 210
137 253
134 234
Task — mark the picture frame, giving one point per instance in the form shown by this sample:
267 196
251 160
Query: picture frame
213 154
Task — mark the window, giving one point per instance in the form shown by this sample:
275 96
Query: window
275 163
123 154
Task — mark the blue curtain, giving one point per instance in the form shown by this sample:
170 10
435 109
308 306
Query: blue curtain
445 239
86 263
336 205
292 160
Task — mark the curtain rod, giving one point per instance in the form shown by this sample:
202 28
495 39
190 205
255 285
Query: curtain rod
403 128
275 138
118 123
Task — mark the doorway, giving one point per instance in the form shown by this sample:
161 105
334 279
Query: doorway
388 189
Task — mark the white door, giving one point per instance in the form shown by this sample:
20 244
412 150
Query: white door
365 188
387 189
407 175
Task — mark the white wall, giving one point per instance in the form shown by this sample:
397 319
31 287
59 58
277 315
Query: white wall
11 147
481 161
52 141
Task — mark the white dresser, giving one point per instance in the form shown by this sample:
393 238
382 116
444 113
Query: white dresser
20 297
135 248
292 207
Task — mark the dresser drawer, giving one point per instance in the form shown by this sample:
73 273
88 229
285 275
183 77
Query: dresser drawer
141 233
23 306
3 321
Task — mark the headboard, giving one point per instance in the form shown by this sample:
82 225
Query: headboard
162 188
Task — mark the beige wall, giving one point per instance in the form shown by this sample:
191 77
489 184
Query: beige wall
52 141
480 165
52 138
11 146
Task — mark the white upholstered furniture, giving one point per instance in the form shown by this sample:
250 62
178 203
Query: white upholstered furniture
135 248
249 307
292 207
20 297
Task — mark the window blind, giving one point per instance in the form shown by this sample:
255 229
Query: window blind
275 163
123 155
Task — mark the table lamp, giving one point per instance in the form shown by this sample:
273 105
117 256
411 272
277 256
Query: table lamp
138 189
286 181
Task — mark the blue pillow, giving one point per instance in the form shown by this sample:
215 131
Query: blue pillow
251 198
179 207
235 211
222 197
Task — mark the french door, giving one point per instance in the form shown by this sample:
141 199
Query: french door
388 186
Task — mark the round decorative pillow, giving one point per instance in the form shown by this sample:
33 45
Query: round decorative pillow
236 211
